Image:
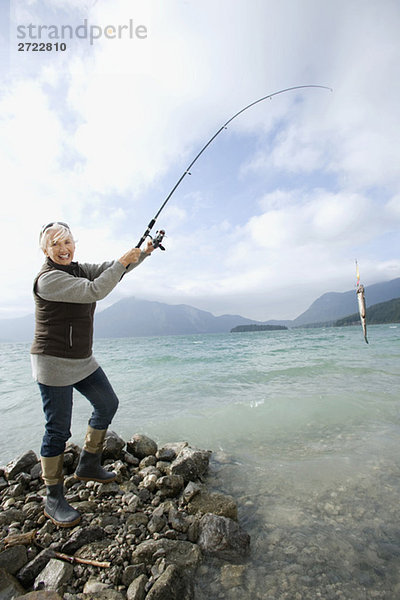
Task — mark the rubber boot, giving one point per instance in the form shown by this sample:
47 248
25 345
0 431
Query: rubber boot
57 508
89 467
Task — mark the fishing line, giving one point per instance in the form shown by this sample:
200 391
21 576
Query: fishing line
157 240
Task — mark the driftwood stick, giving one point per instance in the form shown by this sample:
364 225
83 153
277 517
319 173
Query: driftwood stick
83 561
19 538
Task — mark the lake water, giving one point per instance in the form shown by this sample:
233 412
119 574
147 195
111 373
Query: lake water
304 426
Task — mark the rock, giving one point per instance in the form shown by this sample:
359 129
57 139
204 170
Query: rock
232 575
215 503
31 570
170 485
3 484
32 509
9 587
148 461
141 446
13 559
177 520
108 489
84 507
92 551
137 589
108 594
83 536
132 572
94 585
41 595
15 490
113 446
190 463
11 515
190 491
36 473
170 451
171 585
54 576
149 482
183 554
137 519
223 537
129 459
23 463
156 524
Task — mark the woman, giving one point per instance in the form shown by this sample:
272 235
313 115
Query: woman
65 295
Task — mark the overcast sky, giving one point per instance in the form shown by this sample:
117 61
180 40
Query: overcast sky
281 204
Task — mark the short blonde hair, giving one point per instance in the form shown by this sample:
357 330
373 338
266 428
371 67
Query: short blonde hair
61 231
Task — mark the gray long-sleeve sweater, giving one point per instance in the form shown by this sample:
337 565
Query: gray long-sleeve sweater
59 286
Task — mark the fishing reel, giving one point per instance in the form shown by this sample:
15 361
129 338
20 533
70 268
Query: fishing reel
157 239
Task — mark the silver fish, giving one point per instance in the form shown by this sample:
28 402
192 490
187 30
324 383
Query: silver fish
361 308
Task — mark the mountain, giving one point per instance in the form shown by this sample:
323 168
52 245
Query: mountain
334 305
383 312
131 317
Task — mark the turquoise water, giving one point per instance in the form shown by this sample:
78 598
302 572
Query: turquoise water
304 426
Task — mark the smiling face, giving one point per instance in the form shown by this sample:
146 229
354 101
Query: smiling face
60 246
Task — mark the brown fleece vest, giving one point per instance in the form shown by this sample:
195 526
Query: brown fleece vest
63 329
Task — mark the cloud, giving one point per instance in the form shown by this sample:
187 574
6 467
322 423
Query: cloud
99 134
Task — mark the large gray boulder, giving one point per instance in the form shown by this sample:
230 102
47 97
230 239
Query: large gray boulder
191 463
223 537
21 464
32 569
171 585
137 589
13 559
183 554
141 446
113 446
55 576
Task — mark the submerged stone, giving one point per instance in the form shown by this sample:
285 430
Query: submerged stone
223 537
215 503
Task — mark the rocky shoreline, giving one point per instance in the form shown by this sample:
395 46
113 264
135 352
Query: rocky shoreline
141 537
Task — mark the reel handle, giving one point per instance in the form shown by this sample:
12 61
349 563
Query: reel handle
157 240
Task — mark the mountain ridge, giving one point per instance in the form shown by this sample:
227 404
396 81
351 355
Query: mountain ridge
132 317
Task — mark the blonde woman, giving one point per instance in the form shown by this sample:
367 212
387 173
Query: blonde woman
65 294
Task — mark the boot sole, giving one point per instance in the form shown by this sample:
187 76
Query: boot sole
61 523
94 479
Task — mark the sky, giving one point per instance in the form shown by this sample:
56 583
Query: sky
278 207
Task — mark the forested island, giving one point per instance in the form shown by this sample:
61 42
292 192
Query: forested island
253 327
384 312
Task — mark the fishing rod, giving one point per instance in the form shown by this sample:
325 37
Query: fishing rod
157 240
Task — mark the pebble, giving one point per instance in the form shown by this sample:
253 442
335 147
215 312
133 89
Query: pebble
146 503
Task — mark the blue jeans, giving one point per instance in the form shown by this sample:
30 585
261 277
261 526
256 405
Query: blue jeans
57 407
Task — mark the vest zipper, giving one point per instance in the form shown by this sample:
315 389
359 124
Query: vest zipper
70 335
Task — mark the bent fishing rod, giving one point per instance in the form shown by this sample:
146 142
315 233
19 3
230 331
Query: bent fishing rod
157 240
